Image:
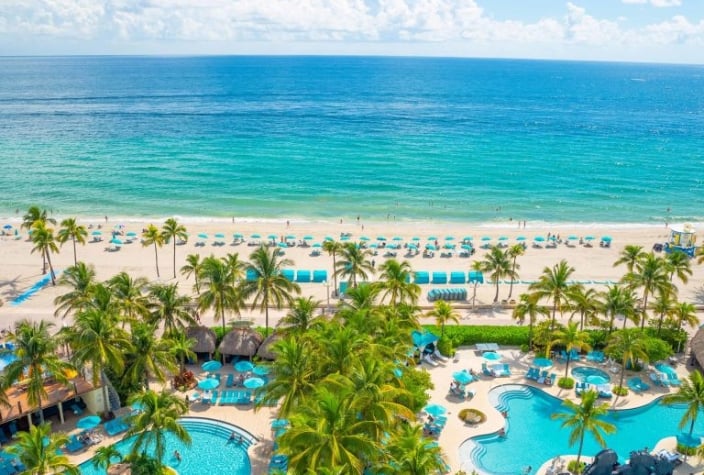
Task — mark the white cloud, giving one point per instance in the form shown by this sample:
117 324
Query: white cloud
331 22
655 3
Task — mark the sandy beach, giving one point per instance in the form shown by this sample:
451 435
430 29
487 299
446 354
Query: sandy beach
21 269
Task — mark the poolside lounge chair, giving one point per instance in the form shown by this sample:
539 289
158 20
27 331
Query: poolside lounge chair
637 385
533 373
551 380
506 370
604 391
428 359
230 380
673 379
486 371
439 356
543 376
116 426
74 444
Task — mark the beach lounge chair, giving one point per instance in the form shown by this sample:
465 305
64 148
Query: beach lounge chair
551 380
243 398
486 371
506 370
320 276
230 380
672 379
303 276
288 274
604 391
438 356
439 278
74 444
543 376
428 359
637 385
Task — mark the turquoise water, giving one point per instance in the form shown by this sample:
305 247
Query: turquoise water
6 358
336 137
581 373
210 452
532 438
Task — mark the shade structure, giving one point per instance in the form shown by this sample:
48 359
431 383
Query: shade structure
538 239
689 441
415 238
244 366
449 238
345 237
462 377
96 233
397 238
606 238
521 238
503 238
131 234
374 245
279 423
271 236
220 235
290 236
380 238
412 246
7 226
308 237
202 236
205 339
328 238
364 238
211 365
542 362
260 370
283 244
432 238
486 238
88 422
253 383
238 235
393 245
256 236
491 356
589 238
208 384
430 247
435 410
467 247
572 237
116 241
317 245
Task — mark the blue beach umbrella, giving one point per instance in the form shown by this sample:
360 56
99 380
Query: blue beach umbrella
430 247
415 238
290 236
468 238
244 366
283 244
88 422
328 238
364 238
542 362
116 241
345 237
202 236
448 245
467 247
219 235
317 245
237 236
272 236
131 234
374 245
380 238
279 423
211 366
7 226
260 370
137 406
256 236
491 356
397 238
96 233
253 383
435 410
538 239
462 377
521 238
486 238
308 237
412 246
589 238
503 238
393 245
432 238
449 238
606 238
572 237
208 384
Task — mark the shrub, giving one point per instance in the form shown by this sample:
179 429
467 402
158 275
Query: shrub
686 450
575 467
467 335
620 391
565 382
472 416
525 348
445 346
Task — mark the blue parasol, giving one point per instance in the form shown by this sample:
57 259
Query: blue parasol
88 422
435 410
202 236
208 384
542 362
253 383
260 370
211 366
491 356
244 366
463 377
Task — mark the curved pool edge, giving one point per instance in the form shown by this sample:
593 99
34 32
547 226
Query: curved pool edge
471 445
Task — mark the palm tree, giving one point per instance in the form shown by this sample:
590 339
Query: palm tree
650 274
354 263
554 284
618 300
585 417
294 375
583 301
81 279
630 255
39 450
220 292
173 231
129 296
529 306
97 340
572 338
412 453
684 313
158 416
678 264
193 266
629 345
105 456
172 311
395 283
44 243
700 255
333 248
34 215
326 432
181 348
663 306
70 229
36 352
268 285
152 236
300 317
514 252
690 393
497 265
148 356
342 345
443 313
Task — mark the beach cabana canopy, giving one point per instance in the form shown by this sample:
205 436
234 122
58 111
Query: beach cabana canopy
240 342
421 340
204 337
264 350
697 346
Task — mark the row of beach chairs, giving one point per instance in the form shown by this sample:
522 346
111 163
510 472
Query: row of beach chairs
234 397
665 379
541 377
603 390
496 370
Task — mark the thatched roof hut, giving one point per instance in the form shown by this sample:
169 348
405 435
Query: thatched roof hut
119 469
240 342
697 345
205 339
264 350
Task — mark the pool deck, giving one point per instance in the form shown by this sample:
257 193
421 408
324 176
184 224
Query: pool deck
455 431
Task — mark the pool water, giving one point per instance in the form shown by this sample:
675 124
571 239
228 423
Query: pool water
210 451
6 358
532 437
581 373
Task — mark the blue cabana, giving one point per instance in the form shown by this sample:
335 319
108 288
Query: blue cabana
457 278
251 275
476 277
421 340
288 274
303 276
320 276
422 277
439 277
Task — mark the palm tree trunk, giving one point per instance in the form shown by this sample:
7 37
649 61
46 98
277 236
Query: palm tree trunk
106 399
567 364
554 314
623 372
513 271
75 260
174 238
530 334
496 296
334 273
645 306
156 257
266 311
581 445
51 268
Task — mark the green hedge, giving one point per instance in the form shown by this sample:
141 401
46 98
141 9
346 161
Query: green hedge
466 335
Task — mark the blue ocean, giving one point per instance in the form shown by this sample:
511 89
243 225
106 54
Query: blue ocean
324 138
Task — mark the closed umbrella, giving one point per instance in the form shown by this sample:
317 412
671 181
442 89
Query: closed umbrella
88 422
211 366
244 366
253 383
208 384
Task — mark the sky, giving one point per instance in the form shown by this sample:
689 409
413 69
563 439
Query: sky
613 30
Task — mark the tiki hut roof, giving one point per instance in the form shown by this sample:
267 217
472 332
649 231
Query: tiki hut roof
240 342
697 345
205 339
264 351
119 469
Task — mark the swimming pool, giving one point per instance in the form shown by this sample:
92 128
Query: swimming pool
581 373
532 437
210 452
6 357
